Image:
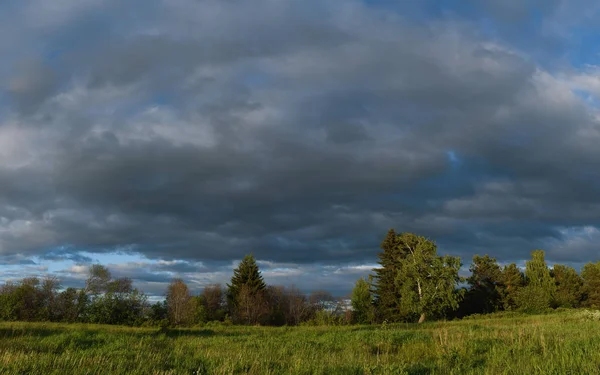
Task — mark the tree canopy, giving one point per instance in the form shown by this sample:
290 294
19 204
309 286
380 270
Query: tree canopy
423 283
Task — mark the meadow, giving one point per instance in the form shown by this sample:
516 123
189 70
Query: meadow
567 342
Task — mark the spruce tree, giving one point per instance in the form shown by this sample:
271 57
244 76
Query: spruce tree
248 276
387 294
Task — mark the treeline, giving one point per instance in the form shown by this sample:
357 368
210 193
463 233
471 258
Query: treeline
107 300
413 283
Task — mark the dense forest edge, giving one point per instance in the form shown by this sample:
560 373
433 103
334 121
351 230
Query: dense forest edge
412 284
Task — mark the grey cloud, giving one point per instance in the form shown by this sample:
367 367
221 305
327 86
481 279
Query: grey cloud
301 135
32 84
67 254
15 260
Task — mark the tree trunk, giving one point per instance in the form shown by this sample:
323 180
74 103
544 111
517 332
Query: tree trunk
422 318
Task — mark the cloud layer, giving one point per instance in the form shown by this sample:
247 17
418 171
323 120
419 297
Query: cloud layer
199 131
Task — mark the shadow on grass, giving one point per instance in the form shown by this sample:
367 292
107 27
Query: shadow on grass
199 333
6 333
420 369
364 328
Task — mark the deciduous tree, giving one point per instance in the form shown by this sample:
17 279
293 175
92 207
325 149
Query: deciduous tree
362 302
98 279
213 300
179 303
540 289
427 282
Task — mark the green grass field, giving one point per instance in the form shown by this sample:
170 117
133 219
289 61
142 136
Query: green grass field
562 343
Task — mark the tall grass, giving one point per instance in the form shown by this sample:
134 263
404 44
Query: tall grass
562 343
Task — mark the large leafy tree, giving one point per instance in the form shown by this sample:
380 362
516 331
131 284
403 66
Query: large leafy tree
387 294
65 306
569 286
485 283
107 300
427 282
539 292
98 279
179 303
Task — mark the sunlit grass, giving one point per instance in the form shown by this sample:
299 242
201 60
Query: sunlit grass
561 343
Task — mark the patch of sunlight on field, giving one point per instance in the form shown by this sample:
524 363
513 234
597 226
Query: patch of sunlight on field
560 343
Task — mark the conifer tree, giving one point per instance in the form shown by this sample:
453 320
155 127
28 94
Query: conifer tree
569 286
387 295
512 281
485 282
246 275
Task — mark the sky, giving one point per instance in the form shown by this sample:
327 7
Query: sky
169 138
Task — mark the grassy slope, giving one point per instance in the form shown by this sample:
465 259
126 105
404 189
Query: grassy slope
563 343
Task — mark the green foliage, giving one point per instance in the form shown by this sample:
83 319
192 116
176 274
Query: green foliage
199 314
533 299
214 303
102 301
66 306
540 288
246 293
159 313
387 294
512 281
246 274
326 318
591 284
485 286
118 308
423 285
98 280
427 282
569 286
362 302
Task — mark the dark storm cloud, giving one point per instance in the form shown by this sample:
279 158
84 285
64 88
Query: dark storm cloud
67 254
15 260
205 130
